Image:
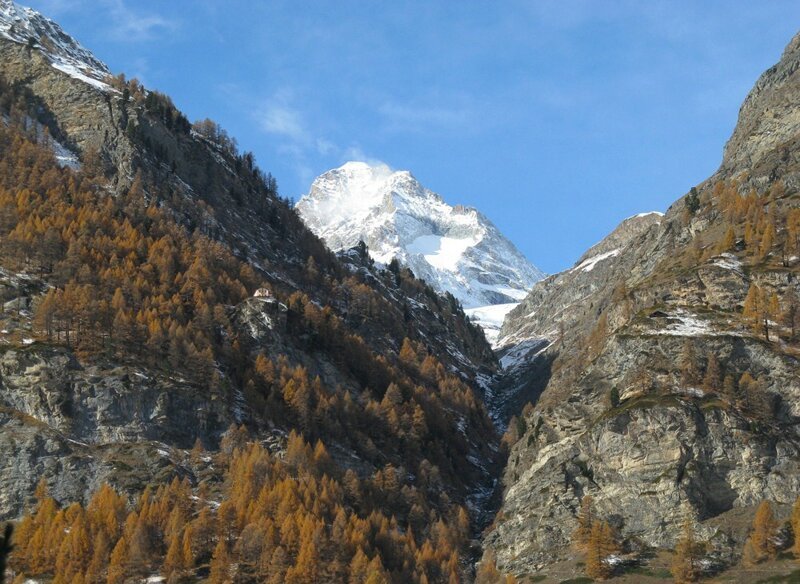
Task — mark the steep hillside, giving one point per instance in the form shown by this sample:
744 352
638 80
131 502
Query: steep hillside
160 296
664 366
455 249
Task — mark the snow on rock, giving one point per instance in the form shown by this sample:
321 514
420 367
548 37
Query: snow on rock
647 214
685 324
588 265
522 352
454 249
729 261
26 26
65 157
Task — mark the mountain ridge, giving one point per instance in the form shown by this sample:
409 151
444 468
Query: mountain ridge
652 388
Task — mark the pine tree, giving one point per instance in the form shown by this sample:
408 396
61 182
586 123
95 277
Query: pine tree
487 572
278 566
791 315
174 561
727 242
583 532
118 564
690 374
795 523
767 240
712 378
601 545
683 562
761 544
75 552
220 564
760 308
100 557
729 388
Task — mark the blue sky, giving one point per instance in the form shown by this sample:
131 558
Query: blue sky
556 118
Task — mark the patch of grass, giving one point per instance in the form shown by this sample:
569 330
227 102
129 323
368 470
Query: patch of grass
642 402
649 572
578 580
790 578
537 578
714 403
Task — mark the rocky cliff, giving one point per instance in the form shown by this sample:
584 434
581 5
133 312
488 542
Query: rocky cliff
654 389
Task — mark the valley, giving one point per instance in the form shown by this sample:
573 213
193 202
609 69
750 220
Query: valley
202 381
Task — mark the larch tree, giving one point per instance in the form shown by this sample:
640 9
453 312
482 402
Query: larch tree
795 523
760 309
761 544
487 572
118 564
712 380
683 561
598 551
586 519
220 564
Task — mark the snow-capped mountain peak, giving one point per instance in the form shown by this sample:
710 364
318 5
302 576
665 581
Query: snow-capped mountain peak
454 248
26 26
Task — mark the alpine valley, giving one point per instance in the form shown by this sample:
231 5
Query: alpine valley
201 382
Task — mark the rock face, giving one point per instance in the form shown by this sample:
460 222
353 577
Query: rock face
454 249
615 353
769 117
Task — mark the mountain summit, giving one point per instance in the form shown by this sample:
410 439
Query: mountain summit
26 26
455 249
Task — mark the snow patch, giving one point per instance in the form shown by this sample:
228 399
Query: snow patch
76 73
685 325
65 157
647 214
523 352
729 261
589 264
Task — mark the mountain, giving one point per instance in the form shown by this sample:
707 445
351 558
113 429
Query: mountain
454 249
182 357
662 368
26 26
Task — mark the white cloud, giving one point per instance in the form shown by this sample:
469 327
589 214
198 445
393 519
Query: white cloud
356 153
284 121
123 23
412 117
299 140
129 25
